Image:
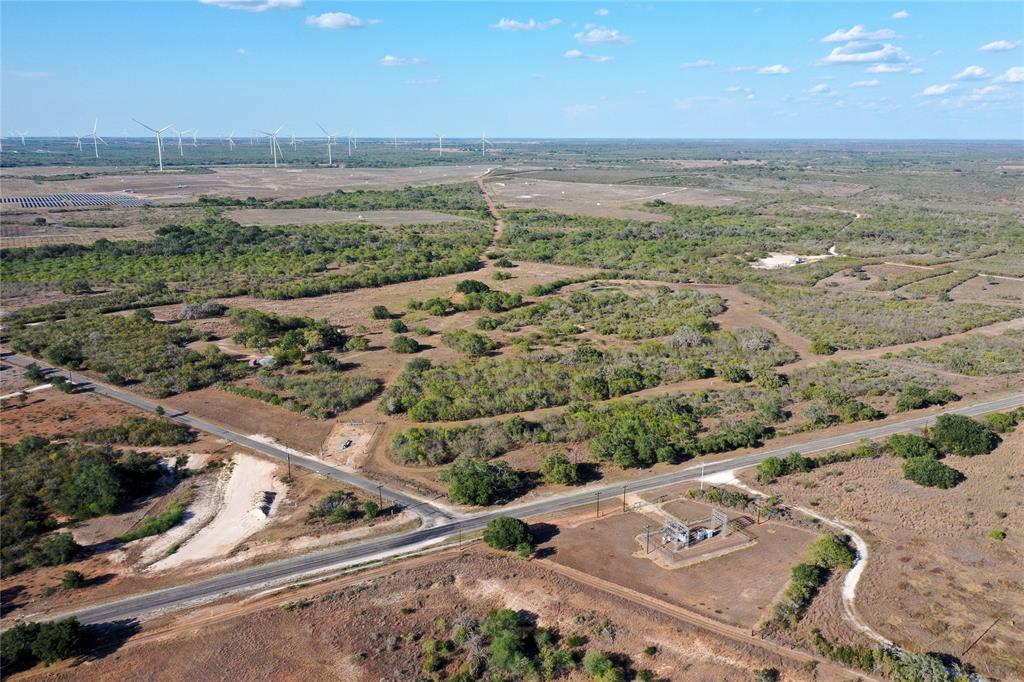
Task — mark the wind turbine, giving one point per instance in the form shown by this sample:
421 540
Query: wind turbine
15 133
274 146
179 133
350 143
293 142
396 143
483 144
159 140
330 142
230 139
440 146
96 139
195 134
78 141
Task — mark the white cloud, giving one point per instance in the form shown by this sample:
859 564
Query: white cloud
579 54
933 90
865 84
241 50
339 20
739 89
865 53
821 89
774 70
255 5
902 14
1000 46
699 64
599 35
971 73
391 60
1015 74
741 69
577 110
886 68
858 33
601 12
531 25
916 71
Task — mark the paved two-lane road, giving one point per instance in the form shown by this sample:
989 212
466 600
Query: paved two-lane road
430 513
296 568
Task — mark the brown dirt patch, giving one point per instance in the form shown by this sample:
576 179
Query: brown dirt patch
935 580
734 589
345 633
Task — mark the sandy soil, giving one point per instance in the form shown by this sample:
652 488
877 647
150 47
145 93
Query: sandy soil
247 181
343 631
614 201
774 261
249 500
988 289
320 216
16 228
737 596
935 580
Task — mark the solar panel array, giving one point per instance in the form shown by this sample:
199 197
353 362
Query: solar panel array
75 199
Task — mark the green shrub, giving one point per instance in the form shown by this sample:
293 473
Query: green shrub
820 346
16 647
997 534
468 342
910 445
955 434
59 548
471 286
72 580
916 397
556 468
379 312
1001 422
397 327
404 344
832 551
160 523
480 483
770 469
929 471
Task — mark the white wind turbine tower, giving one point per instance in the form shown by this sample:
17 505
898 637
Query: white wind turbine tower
294 143
159 140
275 148
179 133
78 141
195 134
330 143
230 139
15 133
440 145
483 144
96 139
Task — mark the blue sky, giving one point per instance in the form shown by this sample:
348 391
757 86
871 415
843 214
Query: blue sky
527 69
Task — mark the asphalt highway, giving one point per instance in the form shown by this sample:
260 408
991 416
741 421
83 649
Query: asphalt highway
439 524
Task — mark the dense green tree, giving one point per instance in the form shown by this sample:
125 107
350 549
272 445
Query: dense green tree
506 532
929 471
956 434
480 483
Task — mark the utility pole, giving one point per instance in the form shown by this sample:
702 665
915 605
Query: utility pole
289 466
598 495
380 495
460 535
648 529
702 476
623 499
